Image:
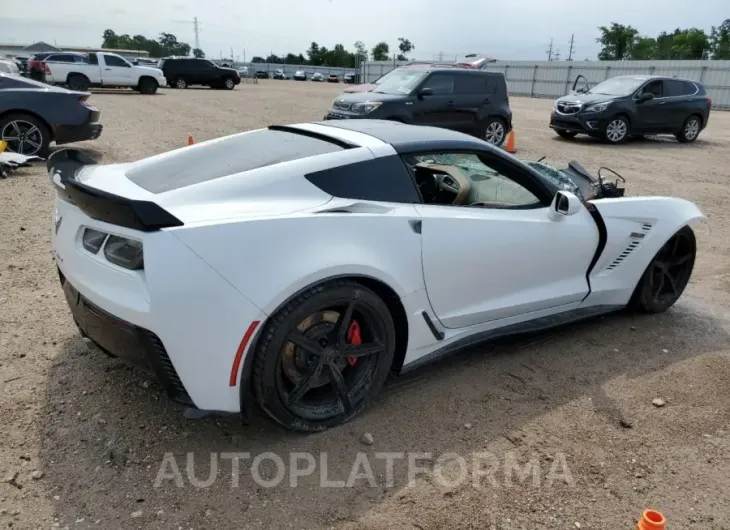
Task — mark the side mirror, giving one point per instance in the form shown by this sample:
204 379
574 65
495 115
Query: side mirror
564 204
425 92
646 96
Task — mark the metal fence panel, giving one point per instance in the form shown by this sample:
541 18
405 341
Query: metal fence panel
552 79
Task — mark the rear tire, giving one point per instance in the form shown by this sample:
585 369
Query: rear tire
37 136
78 83
180 83
568 135
494 131
668 274
690 130
321 385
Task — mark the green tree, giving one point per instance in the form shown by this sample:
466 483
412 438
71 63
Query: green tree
690 43
198 53
617 42
361 52
381 51
405 46
720 41
314 54
167 44
644 49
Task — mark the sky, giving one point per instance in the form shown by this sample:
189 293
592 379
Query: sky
507 29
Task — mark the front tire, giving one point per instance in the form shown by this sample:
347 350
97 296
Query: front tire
617 130
148 86
229 84
181 83
323 357
690 130
668 274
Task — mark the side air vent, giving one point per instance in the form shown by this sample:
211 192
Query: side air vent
645 227
623 255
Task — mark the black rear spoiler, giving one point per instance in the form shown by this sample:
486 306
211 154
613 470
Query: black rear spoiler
146 216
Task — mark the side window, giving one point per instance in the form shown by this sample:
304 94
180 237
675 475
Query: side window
60 58
441 83
384 179
689 88
492 83
79 59
655 87
673 88
93 59
467 179
113 60
468 83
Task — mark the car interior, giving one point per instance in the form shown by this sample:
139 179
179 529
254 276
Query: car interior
463 180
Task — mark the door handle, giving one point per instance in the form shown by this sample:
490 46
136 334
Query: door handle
108 69
450 103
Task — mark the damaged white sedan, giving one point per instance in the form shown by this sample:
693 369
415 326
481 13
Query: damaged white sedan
296 267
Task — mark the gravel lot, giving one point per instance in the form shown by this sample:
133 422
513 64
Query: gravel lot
83 437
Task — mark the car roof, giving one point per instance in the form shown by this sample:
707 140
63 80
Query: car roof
657 77
408 138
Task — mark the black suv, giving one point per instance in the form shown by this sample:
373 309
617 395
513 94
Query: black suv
182 72
463 99
634 105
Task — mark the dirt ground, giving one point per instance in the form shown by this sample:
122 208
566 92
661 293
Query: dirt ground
564 420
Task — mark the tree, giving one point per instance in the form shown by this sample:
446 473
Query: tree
644 49
258 59
166 45
361 52
720 41
381 51
198 53
690 43
616 42
314 54
405 46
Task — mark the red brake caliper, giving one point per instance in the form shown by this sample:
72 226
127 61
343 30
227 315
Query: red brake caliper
353 337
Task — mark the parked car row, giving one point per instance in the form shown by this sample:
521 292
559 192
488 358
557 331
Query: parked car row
476 101
301 75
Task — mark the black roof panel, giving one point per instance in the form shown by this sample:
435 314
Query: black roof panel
410 138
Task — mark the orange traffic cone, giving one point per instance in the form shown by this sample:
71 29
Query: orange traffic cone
190 140
509 145
651 520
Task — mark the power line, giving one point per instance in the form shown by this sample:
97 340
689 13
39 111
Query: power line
570 53
549 51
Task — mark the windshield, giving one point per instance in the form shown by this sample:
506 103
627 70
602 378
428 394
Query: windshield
618 86
400 82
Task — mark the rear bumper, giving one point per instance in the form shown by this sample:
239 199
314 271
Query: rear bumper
66 134
118 338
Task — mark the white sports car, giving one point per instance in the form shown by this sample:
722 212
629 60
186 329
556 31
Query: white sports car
297 266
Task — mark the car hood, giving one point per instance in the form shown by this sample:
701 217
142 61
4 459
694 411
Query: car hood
151 69
361 97
586 99
361 88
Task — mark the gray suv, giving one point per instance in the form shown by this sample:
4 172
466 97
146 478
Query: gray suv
462 99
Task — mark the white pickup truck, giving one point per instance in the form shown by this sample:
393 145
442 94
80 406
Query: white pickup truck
100 69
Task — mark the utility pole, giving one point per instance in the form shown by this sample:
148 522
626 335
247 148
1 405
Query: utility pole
550 51
556 55
570 53
196 29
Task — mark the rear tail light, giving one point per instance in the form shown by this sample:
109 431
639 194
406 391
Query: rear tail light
124 252
709 101
45 68
84 100
93 240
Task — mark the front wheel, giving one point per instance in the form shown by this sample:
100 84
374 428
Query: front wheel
229 84
147 86
690 130
666 277
324 356
617 130
181 83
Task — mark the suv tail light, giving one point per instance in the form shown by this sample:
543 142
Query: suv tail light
709 101
84 100
45 68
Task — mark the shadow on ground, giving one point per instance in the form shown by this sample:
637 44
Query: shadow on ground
106 425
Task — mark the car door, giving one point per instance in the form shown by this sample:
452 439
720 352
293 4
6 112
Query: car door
436 108
678 106
471 95
116 71
500 253
651 114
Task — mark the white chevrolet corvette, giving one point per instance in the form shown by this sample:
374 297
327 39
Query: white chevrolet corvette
297 266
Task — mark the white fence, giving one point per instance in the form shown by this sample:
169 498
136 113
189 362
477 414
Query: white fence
552 79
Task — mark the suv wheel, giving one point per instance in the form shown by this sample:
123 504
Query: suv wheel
229 83
495 131
181 83
690 130
617 130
